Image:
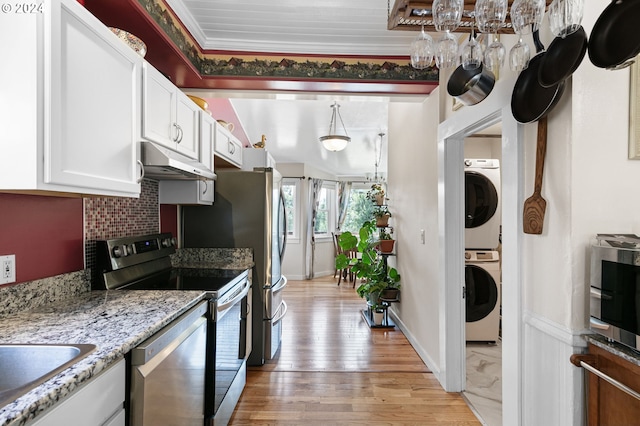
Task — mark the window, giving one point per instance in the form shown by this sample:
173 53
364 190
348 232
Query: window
290 193
359 210
325 212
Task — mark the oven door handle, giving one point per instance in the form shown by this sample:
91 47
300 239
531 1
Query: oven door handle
227 304
283 310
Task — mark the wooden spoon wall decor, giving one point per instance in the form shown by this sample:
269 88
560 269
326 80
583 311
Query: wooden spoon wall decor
534 206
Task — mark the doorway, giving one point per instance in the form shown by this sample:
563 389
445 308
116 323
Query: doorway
483 277
451 135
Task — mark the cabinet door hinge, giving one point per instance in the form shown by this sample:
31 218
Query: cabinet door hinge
464 292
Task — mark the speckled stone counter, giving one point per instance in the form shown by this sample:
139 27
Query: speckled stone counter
115 321
62 309
615 348
224 258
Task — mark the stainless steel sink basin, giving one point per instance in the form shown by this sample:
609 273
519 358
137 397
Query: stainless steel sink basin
24 367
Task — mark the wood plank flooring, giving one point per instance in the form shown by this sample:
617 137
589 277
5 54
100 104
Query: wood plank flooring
332 369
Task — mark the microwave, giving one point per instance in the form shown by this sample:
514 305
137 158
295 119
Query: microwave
615 292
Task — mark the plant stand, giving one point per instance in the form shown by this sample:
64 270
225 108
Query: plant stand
367 314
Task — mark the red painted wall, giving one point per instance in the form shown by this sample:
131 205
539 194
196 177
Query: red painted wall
45 234
221 109
169 219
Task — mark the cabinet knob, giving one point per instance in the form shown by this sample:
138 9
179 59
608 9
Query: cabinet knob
232 148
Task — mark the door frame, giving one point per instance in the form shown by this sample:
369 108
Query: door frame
451 133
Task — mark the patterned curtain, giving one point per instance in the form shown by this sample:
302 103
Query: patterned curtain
344 191
314 190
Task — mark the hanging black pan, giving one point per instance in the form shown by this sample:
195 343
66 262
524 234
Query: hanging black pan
562 58
615 38
530 101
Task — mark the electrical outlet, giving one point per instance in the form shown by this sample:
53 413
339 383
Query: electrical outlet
8 273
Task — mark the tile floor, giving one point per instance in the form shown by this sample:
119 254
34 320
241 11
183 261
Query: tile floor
484 381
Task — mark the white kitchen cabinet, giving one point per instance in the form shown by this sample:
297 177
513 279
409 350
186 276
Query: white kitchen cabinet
194 191
70 104
257 157
169 117
228 148
100 402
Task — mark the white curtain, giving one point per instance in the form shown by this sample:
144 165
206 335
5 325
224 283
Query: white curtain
315 185
344 191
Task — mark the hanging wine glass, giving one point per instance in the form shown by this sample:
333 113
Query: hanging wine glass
494 55
447 51
447 16
422 51
565 16
490 17
519 56
527 15
471 53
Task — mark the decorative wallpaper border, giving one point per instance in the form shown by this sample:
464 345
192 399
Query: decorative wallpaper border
251 65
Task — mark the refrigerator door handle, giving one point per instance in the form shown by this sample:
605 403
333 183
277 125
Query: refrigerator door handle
284 221
283 312
280 286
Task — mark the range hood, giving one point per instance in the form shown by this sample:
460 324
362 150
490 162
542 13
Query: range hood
164 164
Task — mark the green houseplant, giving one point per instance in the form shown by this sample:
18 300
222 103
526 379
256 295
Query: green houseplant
386 240
382 215
376 194
370 266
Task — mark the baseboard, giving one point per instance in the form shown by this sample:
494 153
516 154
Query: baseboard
431 365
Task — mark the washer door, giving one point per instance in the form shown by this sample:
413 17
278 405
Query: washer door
481 199
481 292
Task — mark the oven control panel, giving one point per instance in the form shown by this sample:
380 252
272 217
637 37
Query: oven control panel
118 253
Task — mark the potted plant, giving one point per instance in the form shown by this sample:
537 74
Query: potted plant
386 240
382 215
370 266
376 194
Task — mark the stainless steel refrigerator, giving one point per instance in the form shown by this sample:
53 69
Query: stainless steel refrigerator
248 211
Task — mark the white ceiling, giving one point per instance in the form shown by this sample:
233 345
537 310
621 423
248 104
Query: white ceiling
333 27
292 123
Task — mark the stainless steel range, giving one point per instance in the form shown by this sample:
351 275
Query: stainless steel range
193 371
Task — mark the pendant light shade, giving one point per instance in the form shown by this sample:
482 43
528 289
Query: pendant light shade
333 141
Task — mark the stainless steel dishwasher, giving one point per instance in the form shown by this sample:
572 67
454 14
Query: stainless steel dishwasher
168 373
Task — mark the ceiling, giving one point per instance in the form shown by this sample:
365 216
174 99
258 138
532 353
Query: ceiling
292 122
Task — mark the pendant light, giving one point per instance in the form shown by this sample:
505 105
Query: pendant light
333 141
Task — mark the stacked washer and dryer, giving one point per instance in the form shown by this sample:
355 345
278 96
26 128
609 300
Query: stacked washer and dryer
482 259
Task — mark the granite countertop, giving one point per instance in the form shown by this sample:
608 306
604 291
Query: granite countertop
62 309
114 321
615 348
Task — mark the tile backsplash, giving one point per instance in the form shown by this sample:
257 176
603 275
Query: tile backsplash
114 217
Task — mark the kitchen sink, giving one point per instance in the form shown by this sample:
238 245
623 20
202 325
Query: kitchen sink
24 367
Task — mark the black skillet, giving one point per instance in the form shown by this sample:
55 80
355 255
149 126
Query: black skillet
562 58
530 101
615 38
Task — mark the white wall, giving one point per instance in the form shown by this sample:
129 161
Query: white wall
295 257
413 193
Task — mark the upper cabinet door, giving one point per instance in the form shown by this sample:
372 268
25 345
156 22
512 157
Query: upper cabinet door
169 117
187 119
92 119
158 108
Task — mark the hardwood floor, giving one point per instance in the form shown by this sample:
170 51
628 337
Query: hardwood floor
332 369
